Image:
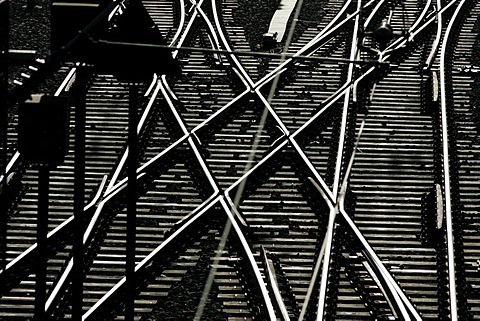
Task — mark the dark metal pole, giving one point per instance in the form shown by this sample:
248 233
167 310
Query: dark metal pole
42 230
131 203
4 28
80 92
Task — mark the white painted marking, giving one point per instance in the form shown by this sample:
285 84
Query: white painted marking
280 18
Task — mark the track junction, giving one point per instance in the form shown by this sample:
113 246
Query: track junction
332 177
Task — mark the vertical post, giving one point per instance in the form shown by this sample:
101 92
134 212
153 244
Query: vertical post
4 28
131 202
80 92
42 230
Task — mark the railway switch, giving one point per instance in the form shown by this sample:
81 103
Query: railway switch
43 128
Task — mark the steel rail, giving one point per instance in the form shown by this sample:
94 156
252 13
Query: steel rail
251 259
326 105
180 23
214 198
149 108
389 286
181 139
325 250
167 95
141 123
423 14
341 197
332 32
346 103
187 30
279 147
201 160
67 82
242 70
310 166
402 302
390 282
385 273
212 181
375 10
286 133
237 181
239 70
65 278
141 170
55 234
204 123
107 196
268 107
324 256
29 253
211 28
386 276
142 265
246 79
375 261
256 167
216 56
242 180
182 229
273 285
339 161
316 43
436 43
331 24
155 159
152 84
402 41
109 11
283 127
61 285
446 163
10 166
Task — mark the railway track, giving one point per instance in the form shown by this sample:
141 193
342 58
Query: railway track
462 97
307 196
